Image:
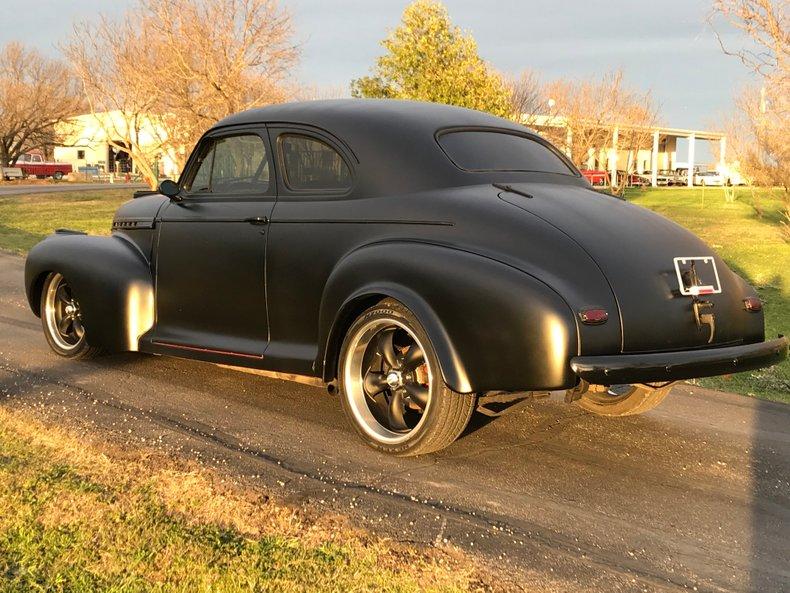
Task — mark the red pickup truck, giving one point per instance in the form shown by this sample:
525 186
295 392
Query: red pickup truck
35 165
596 177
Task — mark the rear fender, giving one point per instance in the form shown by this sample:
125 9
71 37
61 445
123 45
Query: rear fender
493 327
110 278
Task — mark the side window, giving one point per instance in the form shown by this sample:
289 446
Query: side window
231 165
201 180
312 165
240 165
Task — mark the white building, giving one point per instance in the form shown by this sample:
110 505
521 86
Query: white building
663 155
87 144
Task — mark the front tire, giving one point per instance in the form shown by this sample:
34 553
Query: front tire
62 319
391 385
623 400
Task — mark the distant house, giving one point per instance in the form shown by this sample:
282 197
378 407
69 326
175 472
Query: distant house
662 155
90 143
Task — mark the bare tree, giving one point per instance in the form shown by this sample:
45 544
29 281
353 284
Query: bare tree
169 69
760 128
112 60
319 92
758 138
526 96
36 94
765 23
587 112
637 118
217 57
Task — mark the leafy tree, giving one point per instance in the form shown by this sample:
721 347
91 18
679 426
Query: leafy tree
430 59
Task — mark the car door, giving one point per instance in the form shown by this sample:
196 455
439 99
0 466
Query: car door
211 252
313 224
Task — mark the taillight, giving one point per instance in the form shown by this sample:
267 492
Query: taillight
593 316
753 304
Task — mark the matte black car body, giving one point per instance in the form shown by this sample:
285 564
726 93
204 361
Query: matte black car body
496 265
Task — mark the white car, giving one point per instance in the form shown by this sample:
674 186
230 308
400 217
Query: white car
709 178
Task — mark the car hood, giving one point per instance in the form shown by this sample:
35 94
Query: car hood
635 250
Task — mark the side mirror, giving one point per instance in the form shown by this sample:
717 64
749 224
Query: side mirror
170 188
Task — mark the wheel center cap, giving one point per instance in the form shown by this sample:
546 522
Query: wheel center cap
393 379
70 309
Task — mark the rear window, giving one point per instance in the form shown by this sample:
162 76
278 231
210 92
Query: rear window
479 150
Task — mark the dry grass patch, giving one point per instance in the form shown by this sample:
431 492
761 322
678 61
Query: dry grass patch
80 516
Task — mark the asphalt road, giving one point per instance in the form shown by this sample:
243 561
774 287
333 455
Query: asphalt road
13 190
692 496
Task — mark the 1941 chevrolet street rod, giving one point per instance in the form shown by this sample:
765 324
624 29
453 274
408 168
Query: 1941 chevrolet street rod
415 256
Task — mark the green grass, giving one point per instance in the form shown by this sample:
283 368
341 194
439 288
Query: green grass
753 246
79 517
26 219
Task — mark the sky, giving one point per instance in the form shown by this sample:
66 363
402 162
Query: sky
665 46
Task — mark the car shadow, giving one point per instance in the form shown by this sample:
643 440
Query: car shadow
770 488
488 412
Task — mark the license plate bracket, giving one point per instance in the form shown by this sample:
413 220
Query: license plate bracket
697 275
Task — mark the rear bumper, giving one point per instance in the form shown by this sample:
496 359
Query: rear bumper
675 366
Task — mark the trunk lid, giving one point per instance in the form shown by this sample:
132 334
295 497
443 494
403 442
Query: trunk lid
635 249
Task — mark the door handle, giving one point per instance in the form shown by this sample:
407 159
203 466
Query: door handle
259 220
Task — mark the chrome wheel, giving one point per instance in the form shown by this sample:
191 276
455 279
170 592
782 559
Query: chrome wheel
62 315
623 400
611 395
619 392
387 380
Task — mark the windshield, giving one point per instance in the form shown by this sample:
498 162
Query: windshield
486 150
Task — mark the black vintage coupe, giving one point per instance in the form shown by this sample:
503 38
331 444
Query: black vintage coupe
411 256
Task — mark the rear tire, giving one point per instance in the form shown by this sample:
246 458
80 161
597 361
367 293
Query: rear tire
62 320
619 401
58 175
391 385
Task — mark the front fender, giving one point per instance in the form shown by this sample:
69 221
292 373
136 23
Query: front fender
493 327
110 278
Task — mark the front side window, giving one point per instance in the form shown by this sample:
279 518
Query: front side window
231 165
201 180
484 150
312 165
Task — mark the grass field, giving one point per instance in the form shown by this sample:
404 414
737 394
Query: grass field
26 219
752 245
81 517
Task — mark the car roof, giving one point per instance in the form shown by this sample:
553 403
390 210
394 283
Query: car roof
392 141
358 115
